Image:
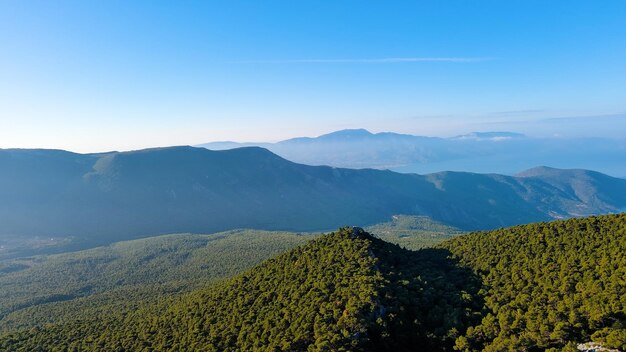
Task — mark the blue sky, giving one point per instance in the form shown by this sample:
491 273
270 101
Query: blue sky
104 75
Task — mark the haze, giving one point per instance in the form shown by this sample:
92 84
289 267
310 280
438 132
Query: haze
87 77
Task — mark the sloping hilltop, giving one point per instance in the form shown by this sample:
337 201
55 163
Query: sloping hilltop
544 286
344 291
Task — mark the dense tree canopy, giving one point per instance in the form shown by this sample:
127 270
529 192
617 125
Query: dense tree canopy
547 284
56 288
51 288
536 287
344 291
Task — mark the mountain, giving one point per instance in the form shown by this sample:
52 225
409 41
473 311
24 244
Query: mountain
102 198
344 291
338 136
483 152
591 189
47 288
535 287
352 148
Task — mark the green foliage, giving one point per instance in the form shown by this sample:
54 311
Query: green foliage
546 284
613 337
121 276
413 231
344 291
536 287
44 289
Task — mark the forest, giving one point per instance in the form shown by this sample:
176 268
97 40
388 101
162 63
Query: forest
47 289
535 287
548 285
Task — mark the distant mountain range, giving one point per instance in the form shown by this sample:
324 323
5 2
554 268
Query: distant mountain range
121 195
483 152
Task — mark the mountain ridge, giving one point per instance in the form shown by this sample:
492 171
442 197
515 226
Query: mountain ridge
484 151
123 195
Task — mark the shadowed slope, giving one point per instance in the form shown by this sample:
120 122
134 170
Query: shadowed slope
116 196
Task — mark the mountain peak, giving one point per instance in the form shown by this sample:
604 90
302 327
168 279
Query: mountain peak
358 232
536 171
347 133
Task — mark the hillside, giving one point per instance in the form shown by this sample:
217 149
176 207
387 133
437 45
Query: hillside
547 284
41 289
543 286
94 199
592 189
344 291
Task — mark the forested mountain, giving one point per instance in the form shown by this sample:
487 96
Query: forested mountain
344 291
47 288
101 198
536 287
483 152
546 285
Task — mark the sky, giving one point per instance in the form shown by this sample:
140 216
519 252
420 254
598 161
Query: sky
92 76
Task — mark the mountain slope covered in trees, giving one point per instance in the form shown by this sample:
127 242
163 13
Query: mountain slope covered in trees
344 291
543 286
47 288
103 198
547 284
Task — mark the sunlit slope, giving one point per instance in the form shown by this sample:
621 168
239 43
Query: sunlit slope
118 277
547 284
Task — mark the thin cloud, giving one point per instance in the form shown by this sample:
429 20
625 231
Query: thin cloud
389 60
618 116
518 112
558 119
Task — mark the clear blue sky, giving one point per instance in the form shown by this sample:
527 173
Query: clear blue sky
103 75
